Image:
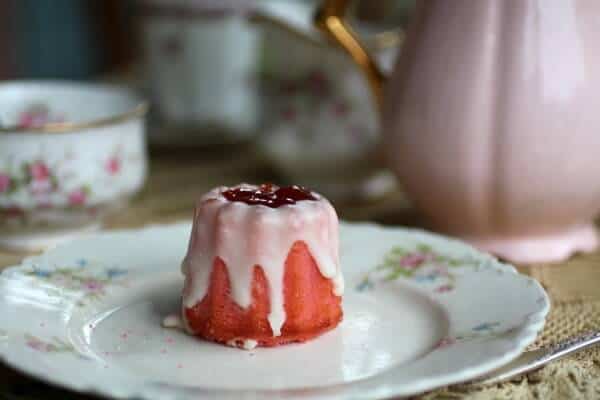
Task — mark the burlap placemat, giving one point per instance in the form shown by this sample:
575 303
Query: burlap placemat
576 377
573 286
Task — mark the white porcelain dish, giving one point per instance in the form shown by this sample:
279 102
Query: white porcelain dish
421 311
69 154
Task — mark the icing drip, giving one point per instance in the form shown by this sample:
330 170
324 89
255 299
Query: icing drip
244 236
172 321
246 344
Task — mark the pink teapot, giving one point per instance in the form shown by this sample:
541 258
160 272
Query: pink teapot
490 120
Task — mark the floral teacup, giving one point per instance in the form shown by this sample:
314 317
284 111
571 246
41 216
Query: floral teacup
200 57
320 125
69 154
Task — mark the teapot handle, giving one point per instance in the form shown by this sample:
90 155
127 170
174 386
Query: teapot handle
330 19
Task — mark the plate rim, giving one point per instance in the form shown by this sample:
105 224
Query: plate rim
527 334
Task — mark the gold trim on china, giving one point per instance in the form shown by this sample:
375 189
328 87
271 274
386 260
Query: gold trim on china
66 127
379 41
331 20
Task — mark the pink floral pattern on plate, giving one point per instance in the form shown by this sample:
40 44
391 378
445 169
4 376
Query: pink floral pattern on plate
484 330
54 345
422 265
92 285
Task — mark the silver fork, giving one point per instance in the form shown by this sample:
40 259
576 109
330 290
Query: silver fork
534 359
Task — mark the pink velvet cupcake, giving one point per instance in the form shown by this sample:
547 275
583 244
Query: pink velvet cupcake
262 267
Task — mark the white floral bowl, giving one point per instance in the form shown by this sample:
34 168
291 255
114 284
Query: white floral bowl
70 153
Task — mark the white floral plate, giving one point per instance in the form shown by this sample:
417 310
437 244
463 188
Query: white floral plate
421 311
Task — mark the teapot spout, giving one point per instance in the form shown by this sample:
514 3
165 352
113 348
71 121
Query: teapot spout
330 19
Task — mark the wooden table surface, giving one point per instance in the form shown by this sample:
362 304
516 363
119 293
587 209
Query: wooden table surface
175 181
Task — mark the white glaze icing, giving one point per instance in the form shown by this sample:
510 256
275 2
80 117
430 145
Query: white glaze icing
244 236
246 344
172 321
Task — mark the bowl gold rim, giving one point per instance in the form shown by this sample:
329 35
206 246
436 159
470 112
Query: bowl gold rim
65 127
140 109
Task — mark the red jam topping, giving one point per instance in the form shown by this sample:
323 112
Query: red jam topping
269 195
